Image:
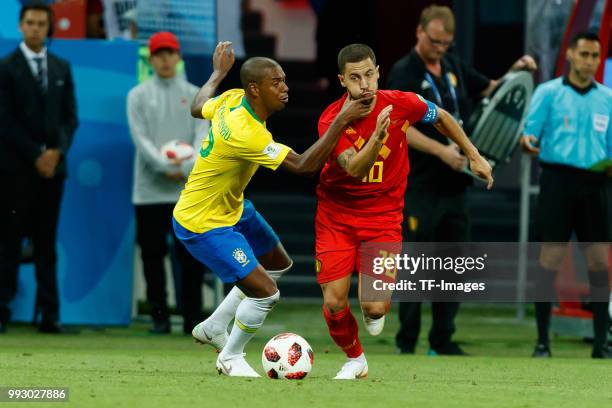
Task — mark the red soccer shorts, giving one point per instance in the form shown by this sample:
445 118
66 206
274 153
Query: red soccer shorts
339 236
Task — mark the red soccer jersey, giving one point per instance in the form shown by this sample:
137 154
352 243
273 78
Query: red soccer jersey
381 193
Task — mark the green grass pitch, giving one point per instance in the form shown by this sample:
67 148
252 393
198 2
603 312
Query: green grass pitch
127 367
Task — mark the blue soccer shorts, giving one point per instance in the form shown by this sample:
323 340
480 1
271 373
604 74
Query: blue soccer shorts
231 252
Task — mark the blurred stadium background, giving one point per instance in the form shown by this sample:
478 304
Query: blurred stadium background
100 275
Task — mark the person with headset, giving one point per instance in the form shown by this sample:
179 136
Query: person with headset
38 118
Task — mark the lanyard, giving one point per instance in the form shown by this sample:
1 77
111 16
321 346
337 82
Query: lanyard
431 81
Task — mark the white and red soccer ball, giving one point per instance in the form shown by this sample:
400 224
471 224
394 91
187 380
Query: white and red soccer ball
177 149
288 356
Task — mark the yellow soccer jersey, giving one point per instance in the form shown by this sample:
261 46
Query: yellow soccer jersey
237 144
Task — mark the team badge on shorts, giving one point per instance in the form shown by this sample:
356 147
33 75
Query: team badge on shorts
318 265
240 256
413 223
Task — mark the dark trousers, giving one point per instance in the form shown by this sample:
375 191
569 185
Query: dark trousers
573 201
29 207
431 217
153 224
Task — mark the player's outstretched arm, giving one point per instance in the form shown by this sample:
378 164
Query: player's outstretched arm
312 160
448 126
223 59
448 153
358 164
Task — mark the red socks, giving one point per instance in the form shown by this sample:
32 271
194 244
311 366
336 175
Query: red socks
344 330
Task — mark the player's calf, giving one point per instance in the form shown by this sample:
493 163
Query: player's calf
250 316
213 331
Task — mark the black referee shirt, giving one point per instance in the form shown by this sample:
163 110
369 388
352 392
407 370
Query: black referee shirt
409 74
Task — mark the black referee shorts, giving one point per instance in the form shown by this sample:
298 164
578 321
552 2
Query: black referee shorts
572 200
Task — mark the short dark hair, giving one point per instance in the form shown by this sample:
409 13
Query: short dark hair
254 70
354 53
36 5
585 35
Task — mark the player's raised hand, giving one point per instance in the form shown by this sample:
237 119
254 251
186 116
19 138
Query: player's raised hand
481 168
356 108
383 121
223 57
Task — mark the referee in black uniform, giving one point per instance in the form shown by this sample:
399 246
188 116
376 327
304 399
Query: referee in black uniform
435 203
568 127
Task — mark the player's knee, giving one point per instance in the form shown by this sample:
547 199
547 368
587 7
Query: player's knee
277 260
597 264
285 262
597 257
335 305
551 260
264 289
277 273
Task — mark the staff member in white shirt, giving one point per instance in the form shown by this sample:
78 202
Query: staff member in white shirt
158 112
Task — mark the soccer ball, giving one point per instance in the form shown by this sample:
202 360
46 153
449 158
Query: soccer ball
177 149
287 355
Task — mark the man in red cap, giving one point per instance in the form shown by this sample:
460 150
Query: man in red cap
164 54
158 113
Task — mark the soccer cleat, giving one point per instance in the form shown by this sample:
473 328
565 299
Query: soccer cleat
449 349
160 327
541 351
374 326
602 352
405 350
202 336
235 366
354 368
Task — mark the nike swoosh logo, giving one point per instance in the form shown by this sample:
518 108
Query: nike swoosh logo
206 335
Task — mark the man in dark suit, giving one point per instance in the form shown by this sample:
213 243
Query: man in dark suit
38 119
